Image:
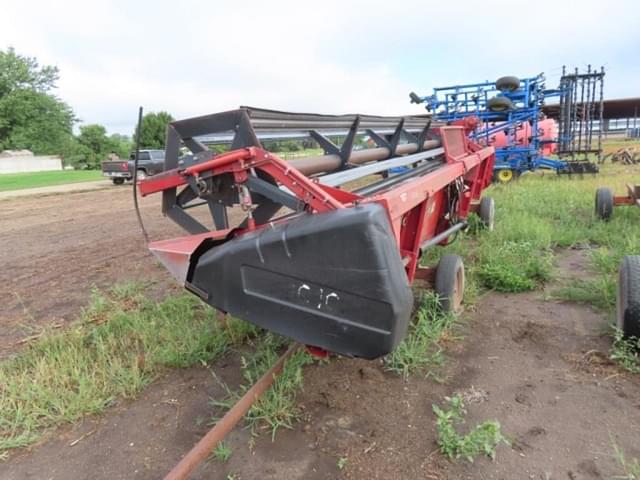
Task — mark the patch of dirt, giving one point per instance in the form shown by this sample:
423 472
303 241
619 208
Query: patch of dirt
538 367
55 249
552 387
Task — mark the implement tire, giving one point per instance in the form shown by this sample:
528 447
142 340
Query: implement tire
628 299
604 203
487 212
500 104
504 175
449 284
508 84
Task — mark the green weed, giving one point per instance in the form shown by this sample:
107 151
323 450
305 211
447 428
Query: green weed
599 292
222 452
121 343
342 463
626 352
514 266
630 468
421 350
276 408
481 440
539 213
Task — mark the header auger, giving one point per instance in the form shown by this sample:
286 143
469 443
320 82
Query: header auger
324 248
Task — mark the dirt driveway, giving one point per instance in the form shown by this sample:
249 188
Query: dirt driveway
538 367
54 249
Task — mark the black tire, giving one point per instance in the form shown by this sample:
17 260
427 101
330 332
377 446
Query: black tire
500 104
628 301
117 181
449 284
487 212
508 84
604 203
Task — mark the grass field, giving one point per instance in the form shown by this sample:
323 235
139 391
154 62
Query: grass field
20 181
122 343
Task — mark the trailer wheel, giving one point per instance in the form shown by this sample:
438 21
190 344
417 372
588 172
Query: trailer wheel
118 181
508 84
487 212
604 203
628 301
500 104
504 175
449 284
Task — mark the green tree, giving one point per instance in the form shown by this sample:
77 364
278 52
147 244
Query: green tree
35 121
92 146
30 116
18 72
121 145
153 131
94 137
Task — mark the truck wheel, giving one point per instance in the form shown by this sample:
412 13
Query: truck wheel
499 104
141 175
118 181
449 284
508 84
487 212
628 301
604 203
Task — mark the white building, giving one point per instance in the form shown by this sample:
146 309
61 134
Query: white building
19 161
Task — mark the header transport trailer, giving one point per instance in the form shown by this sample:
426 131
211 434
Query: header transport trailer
323 248
628 294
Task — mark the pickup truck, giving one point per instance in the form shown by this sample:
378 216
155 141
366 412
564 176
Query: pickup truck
149 163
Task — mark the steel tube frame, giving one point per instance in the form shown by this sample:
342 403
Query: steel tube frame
340 178
205 446
443 235
330 163
247 123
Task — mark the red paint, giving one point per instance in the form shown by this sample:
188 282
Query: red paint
417 208
547 131
317 351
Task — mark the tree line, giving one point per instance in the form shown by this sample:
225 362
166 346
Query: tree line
33 118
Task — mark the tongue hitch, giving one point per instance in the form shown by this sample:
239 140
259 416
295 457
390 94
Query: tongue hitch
308 258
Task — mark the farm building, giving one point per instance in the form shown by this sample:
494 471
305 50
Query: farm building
19 161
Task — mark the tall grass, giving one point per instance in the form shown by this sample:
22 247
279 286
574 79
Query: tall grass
422 350
539 215
277 407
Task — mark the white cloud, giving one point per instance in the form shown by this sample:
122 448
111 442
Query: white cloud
195 57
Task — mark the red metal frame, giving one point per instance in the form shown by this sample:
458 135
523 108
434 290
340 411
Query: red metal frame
416 208
632 198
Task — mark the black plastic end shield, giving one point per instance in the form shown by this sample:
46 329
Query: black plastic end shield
332 280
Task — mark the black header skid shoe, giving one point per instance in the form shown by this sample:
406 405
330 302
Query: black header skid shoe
333 280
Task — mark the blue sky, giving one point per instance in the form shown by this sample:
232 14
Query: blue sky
195 57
